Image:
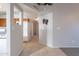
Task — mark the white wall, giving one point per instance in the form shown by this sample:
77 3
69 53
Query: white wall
66 25
63 27
29 15
14 33
27 26
42 31
25 29
30 30
16 38
46 31
3 41
50 29
12 44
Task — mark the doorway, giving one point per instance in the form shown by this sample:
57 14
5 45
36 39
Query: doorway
35 29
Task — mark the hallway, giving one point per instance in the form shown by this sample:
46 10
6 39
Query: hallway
34 48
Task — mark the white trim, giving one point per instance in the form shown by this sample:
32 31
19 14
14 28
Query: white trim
64 46
9 17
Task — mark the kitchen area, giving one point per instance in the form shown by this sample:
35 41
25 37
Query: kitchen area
3 35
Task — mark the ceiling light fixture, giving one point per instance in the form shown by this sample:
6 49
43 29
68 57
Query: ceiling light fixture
44 3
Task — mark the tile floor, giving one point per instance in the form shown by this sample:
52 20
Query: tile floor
34 48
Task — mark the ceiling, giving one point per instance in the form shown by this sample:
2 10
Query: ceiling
39 7
3 7
28 8
31 8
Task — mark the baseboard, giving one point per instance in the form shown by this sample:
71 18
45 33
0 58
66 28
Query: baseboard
63 46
